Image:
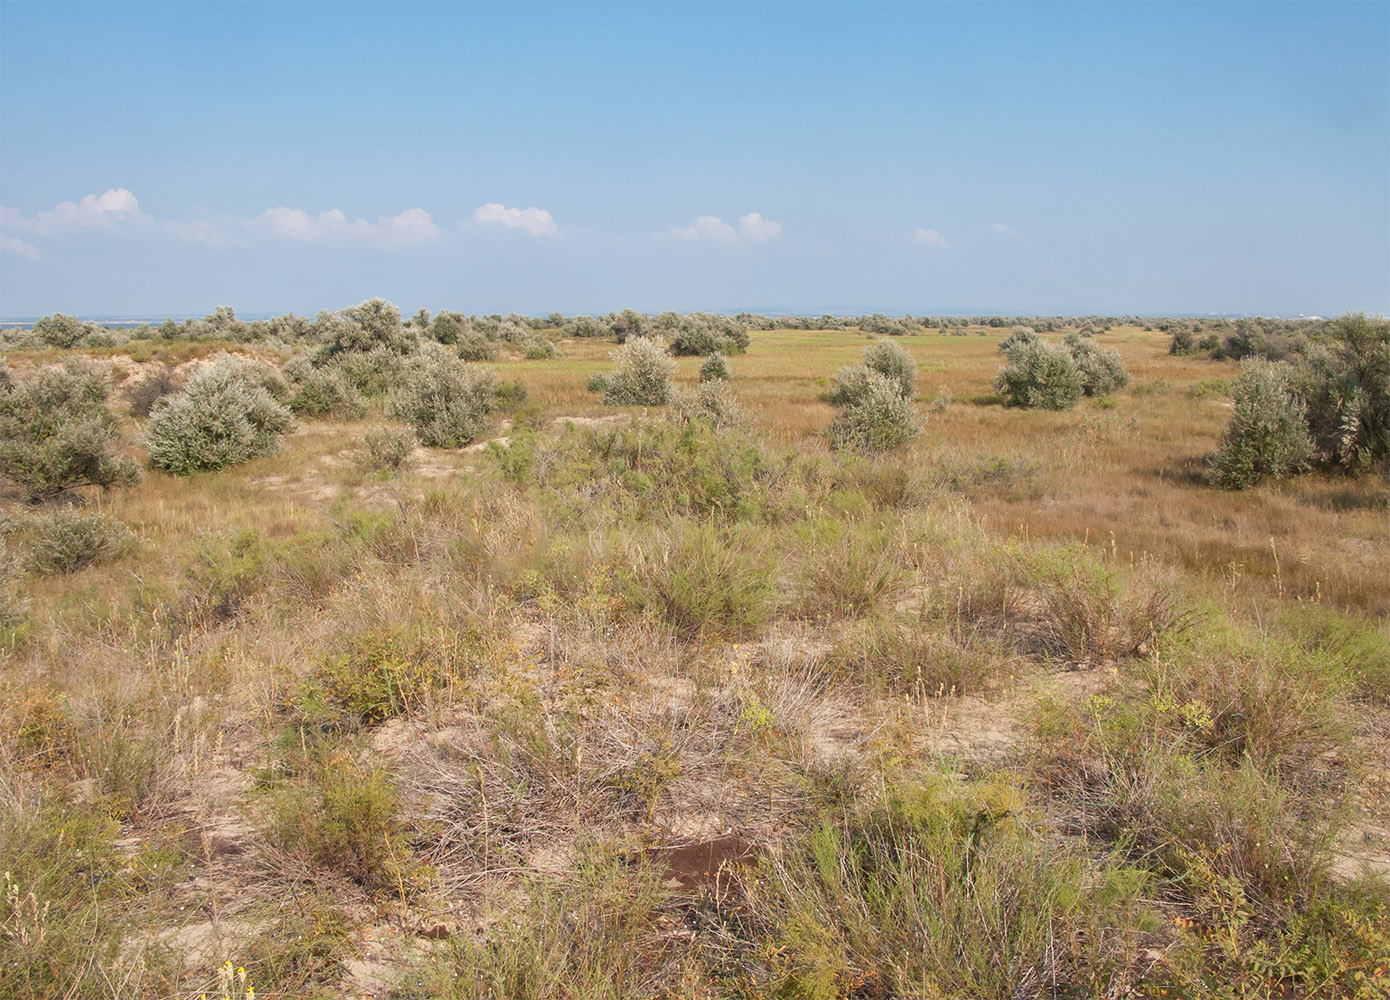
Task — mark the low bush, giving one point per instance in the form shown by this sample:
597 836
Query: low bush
224 416
446 401
57 433
377 675
323 392
336 816
373 373
711 403
714 368
703 581
66 541
386 447
879 419
943 891
882 357
1267 437
1346 384
370 326
1040 376
1101 369
847 569
642 376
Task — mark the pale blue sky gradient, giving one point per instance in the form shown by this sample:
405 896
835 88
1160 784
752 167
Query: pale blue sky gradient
1034 158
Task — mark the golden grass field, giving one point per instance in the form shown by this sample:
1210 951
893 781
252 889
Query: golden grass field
612 708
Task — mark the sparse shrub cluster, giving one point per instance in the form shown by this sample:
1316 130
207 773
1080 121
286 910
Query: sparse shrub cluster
57 433
227 414
642 376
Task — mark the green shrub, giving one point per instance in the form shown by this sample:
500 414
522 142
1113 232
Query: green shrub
60 330
57 434
473 346
944 891
373 373
711 402
1267 437
223 417
848 569
447 402
1101 369
1019 336
1347 387
450 327
878 419
703 581
715 368
882 357
642 376
373 325
386 447
376 676
700 334
339 817
66 541
1039 375
324 392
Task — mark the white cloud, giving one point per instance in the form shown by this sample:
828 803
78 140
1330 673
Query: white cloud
754 227
751 227
929 238
117 205
1008 232
706 227
102 210
16 246
411 228
536 221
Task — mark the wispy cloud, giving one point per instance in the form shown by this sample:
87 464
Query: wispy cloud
706 227
119 208
411 228
929 238
536 221
1008 232
14 245
752 228
757 229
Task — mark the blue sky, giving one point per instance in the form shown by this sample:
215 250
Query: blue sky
1039 158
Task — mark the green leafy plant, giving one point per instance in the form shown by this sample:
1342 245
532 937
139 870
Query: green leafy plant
1267 437
57 433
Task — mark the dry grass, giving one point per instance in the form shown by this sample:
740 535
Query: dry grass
431 731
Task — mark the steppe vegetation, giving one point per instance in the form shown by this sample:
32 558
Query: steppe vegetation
454 657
